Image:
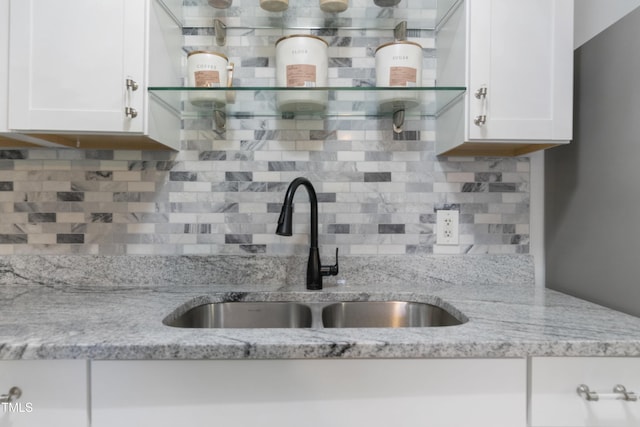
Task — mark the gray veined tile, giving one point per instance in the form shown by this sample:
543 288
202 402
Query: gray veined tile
183 176
70 238
42 217
239 176
13 154
105 217
214 172
99 175
238 238
254 249
391 228
13 239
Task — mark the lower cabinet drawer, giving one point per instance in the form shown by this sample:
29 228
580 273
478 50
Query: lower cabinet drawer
53 393
435 393
555 401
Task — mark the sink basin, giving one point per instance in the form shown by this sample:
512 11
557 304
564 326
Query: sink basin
385 314
245 315
350 314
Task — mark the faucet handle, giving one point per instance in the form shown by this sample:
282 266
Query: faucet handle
330 270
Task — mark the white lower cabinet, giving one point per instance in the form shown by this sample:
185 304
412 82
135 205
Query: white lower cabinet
555 401
433 392
53 393
402 392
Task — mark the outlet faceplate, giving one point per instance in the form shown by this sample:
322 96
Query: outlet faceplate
447 227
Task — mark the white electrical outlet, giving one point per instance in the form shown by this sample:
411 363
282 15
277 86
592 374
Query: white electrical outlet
447 227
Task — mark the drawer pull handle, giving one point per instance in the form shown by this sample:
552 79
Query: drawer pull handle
591 396
629 396
14 394
131 86
619 393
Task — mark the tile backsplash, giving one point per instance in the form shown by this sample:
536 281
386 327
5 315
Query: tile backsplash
221 193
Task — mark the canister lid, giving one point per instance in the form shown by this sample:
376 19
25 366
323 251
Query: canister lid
302 35
209 52
398 42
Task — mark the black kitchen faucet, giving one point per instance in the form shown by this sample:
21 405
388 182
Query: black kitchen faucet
315 270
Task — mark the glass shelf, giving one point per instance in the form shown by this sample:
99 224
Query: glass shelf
301 16
245 102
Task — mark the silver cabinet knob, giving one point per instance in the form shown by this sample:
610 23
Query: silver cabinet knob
132 113
481 93
629 396
586 394
131 85
480 120
13 395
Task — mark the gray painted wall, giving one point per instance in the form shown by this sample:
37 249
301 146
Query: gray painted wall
593 16
592 186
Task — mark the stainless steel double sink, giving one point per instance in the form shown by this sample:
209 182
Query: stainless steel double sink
350 314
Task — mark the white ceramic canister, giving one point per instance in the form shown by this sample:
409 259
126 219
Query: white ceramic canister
274 5
220 4
399 64
302 62
208 69
334 6
386 3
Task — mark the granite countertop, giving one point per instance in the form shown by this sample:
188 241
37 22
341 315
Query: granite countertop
92 307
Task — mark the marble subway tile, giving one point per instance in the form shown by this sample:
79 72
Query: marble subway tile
378 190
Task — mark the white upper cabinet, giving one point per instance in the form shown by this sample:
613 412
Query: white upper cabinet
4 66
82 67
10 139
4 63
69 65
516 59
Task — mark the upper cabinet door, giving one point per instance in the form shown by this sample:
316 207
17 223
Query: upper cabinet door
4 63
70 61
521 52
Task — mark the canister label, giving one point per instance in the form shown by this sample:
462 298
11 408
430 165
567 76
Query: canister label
207 78
301 75
403 76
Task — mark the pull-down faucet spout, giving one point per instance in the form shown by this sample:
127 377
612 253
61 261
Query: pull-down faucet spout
315 270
